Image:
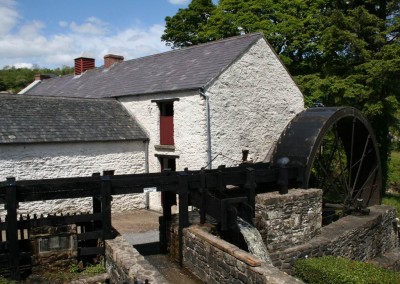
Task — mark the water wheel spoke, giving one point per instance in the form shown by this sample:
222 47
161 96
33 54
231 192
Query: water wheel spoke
334 148
344 184
350 163
355 165
328 177
360 166
373 173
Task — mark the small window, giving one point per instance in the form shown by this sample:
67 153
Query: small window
55 243
167 163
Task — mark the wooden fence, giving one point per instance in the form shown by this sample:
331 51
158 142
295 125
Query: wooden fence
15 250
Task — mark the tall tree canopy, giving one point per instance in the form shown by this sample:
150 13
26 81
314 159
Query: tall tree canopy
340 52
183 28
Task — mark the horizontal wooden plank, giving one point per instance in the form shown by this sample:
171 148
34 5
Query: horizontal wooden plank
64 188
55 221
90 251
90 235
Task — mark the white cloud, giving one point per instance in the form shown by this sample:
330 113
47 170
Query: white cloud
8 16
92 26
63 24
30 45
23 65
178 2
31 30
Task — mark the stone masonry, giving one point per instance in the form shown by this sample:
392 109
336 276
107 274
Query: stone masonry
124 264
289 219
216 261
54 248
354 237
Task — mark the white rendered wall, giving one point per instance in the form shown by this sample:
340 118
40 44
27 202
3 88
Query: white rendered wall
251 103
190 132
56 160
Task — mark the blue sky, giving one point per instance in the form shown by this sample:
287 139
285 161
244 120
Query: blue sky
51 33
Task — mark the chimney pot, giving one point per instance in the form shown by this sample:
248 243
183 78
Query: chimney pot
111 59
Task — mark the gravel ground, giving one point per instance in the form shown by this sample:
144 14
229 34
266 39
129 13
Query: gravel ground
140 228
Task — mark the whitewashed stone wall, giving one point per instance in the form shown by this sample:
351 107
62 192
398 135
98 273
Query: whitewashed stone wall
55 160
190 132
251 103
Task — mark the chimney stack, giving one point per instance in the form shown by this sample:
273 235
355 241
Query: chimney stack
111 59
42 77
83 63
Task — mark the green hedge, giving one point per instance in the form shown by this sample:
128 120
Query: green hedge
332 270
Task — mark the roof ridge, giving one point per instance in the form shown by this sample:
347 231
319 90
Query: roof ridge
214 42
39 97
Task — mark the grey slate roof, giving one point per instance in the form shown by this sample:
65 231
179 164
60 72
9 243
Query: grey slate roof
184 69
31 119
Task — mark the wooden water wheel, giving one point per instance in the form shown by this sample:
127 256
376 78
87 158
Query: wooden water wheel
338 152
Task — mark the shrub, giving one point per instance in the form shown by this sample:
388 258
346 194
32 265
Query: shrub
95 269
332 270
392 199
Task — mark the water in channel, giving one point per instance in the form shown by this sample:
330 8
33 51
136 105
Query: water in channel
253 240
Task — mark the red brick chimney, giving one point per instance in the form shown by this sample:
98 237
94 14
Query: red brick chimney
83 63
42 76
111 59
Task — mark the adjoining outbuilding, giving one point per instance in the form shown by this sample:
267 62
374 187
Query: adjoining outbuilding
47 137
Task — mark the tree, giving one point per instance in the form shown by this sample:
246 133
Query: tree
291 26
359 64
182 29
15 79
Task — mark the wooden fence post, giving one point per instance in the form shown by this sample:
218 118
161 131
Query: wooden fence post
250 187
183 210
96 205
12 228
106 206
203 191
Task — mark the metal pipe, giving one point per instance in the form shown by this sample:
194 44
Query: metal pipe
207 98
146 156
146 170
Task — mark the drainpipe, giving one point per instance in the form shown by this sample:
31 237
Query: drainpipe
146 156
146 170
207 98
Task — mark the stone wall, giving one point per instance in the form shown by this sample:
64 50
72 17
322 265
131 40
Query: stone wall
190 132
251 103
290 219
54 248
216 261
291 225
354 237
124 264
57 160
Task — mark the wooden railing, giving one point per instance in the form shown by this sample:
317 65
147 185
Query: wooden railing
199 185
